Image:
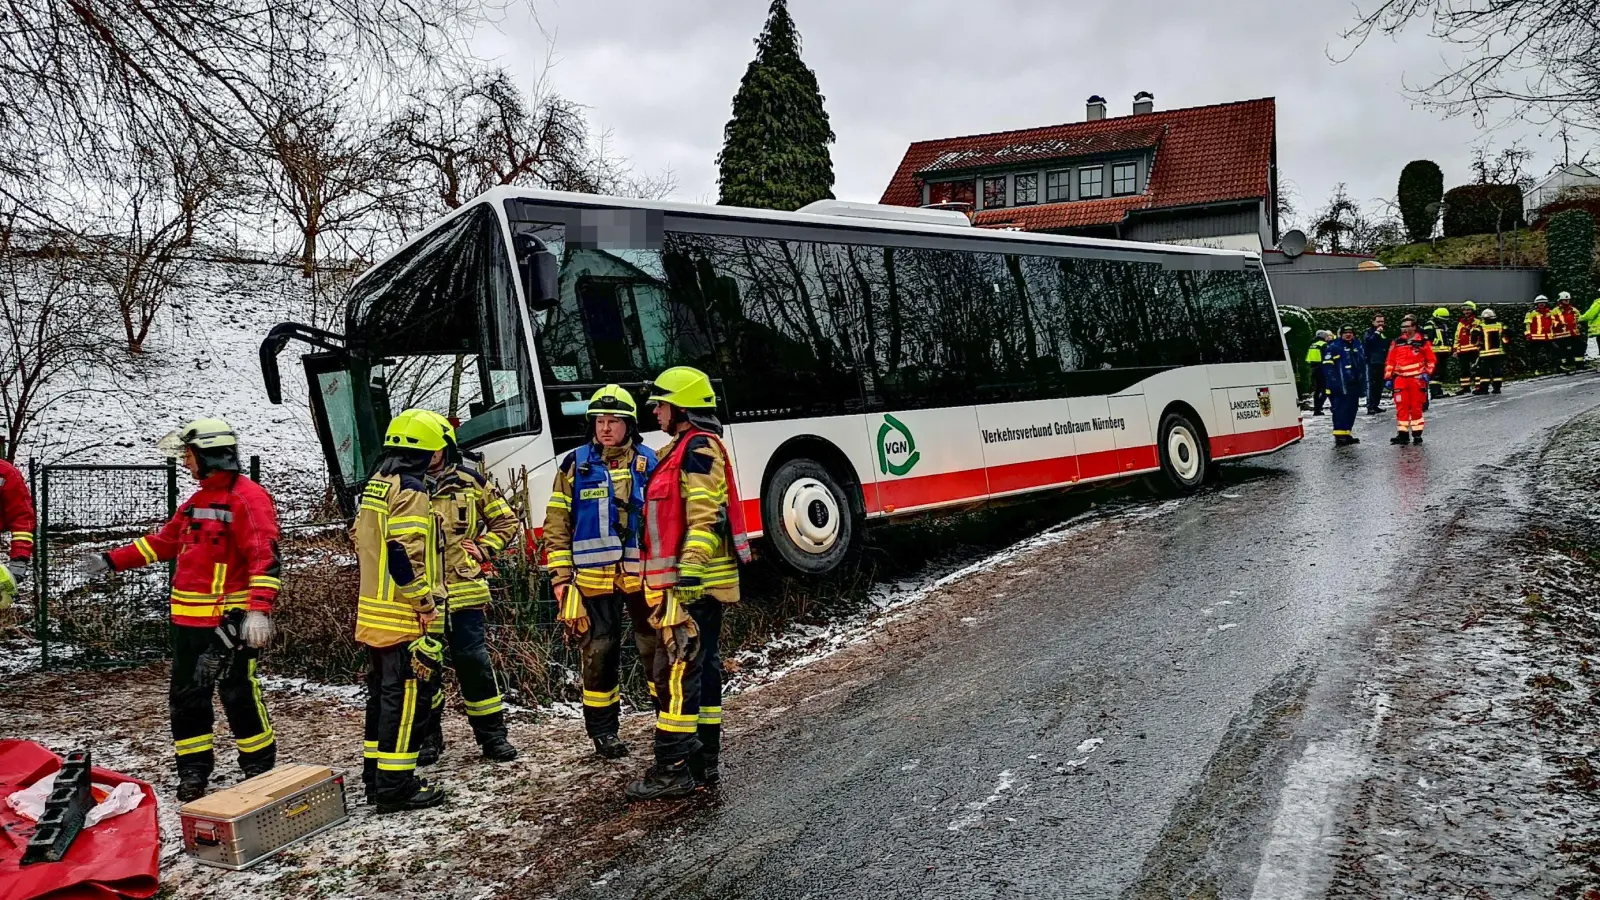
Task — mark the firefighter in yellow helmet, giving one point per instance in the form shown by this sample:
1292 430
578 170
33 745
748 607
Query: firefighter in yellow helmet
1439 333
397 547
476 524
592 529
694 542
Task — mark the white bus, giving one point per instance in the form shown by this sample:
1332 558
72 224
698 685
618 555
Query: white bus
870 361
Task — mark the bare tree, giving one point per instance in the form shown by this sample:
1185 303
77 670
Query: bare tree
1341 226
54 329
481 132
147 216
1541 56
320 166
1504 168
78 77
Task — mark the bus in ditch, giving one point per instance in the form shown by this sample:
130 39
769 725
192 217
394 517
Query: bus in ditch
870 361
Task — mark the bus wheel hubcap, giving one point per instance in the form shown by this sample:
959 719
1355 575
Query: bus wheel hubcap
811 515
1184 453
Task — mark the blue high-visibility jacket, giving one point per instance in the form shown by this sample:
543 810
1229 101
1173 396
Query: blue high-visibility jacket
1344 367
601 537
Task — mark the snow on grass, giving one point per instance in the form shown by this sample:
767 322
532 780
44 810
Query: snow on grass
201 359
804 645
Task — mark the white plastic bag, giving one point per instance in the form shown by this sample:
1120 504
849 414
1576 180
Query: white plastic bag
29 802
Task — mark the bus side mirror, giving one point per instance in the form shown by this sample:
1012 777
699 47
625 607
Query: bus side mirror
541 274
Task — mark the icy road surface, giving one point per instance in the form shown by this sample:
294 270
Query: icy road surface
1174 705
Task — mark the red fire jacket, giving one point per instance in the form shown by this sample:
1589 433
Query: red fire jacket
225 538
1410 359
665 519
1564 321
16 510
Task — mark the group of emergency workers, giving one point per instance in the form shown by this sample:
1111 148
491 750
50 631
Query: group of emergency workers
655 536
1412 366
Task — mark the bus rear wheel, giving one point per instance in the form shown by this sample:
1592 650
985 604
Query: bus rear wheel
807 517
1183 455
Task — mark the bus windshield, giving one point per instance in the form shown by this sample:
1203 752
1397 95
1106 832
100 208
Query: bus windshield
437 327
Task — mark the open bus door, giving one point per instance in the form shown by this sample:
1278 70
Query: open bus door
345 400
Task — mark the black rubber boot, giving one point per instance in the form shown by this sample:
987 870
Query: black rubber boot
497 748
426 796
192 785
704 767
1401 438
431 748
609 746
259 766
1343 440
664 781
1416 438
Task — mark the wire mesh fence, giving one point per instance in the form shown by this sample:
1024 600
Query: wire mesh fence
84 510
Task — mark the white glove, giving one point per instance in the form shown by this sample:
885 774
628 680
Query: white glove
257 629
96 565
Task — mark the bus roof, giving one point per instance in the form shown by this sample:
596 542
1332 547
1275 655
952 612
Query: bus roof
911 224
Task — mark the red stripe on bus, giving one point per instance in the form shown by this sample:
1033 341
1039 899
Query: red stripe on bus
1255 441
975 484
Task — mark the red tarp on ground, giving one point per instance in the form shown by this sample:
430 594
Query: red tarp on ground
119 857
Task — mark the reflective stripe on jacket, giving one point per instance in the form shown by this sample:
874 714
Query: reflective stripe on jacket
468 508
1564 321
1438 336
1468 337
1494 339
1538 326
694 526
613 472
16 510
396 541
1410 359
225 539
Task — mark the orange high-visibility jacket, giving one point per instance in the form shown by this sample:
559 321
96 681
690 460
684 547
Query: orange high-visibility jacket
1410 358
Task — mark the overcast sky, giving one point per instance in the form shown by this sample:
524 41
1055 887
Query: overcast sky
661 76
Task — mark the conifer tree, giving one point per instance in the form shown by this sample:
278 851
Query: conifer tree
775 147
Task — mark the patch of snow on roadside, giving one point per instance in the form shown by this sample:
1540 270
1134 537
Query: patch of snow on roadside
975 809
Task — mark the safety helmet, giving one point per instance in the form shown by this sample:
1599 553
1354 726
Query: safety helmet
684 387
1541 299
613 400
1468 304
416 429
443 422
201 434
1564 296
1442 312
1488 315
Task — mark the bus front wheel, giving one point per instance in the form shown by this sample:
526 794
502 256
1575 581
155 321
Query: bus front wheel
1183 454
807 517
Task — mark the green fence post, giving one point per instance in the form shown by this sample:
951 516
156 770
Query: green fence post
41 557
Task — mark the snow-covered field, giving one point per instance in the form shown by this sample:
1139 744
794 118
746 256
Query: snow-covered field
201 359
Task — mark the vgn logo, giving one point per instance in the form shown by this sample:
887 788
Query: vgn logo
1264 399
896 455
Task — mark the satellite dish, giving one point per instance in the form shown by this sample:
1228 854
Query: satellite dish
1293 243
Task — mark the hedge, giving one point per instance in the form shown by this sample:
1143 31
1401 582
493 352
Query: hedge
1569 242
1472 209
1421 183
1304 323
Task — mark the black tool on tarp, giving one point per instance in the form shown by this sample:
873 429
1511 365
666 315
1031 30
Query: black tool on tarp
69 803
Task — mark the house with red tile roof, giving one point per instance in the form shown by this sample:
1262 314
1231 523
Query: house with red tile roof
1205 175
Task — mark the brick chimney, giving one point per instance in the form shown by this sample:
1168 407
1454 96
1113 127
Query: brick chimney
1097 108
